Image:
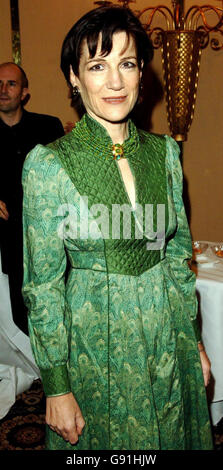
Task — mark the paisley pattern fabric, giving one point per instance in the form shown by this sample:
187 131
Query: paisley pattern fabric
125 345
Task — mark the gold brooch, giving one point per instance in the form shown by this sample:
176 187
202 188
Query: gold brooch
117 151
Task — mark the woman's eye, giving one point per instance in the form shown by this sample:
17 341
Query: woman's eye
97 67
128 65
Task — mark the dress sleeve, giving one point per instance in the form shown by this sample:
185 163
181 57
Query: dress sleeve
44 269
179 246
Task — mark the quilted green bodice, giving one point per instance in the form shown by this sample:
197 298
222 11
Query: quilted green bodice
95 174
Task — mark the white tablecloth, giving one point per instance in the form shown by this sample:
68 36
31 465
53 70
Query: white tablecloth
17 365
210 293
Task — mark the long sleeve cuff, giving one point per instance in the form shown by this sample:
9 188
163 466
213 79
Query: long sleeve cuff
55 381
196 329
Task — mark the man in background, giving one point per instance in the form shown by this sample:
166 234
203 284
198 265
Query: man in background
20 131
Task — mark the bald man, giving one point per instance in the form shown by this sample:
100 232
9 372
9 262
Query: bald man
20 131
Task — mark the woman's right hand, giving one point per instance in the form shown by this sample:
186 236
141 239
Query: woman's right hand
64 416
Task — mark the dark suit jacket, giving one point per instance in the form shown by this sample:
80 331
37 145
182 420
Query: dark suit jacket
15 143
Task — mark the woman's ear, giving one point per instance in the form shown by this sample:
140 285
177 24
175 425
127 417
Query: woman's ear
141 68
73 78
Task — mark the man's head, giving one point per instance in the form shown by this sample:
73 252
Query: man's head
13 87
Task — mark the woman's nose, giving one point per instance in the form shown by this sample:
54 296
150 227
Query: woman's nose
115 80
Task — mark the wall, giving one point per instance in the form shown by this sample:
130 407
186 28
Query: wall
43 27
5 31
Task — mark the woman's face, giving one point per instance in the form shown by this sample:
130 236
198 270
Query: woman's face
109 85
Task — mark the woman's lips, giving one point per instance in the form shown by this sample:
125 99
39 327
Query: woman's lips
115 99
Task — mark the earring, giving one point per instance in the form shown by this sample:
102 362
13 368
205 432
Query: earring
140 95
75 91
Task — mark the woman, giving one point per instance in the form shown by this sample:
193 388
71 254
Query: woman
117 343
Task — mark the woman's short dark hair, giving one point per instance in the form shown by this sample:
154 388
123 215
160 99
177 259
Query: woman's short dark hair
107 21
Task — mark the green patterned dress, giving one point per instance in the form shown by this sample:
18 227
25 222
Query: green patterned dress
118 327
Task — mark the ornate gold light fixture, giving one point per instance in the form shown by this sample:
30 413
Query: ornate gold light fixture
181 42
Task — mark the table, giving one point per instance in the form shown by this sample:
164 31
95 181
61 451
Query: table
17 365
209 285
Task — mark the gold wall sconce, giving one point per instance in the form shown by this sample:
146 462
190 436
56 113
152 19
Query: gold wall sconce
181 42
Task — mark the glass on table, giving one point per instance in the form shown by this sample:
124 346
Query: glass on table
218 250
199 247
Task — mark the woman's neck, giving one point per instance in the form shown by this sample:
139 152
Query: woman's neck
118 131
